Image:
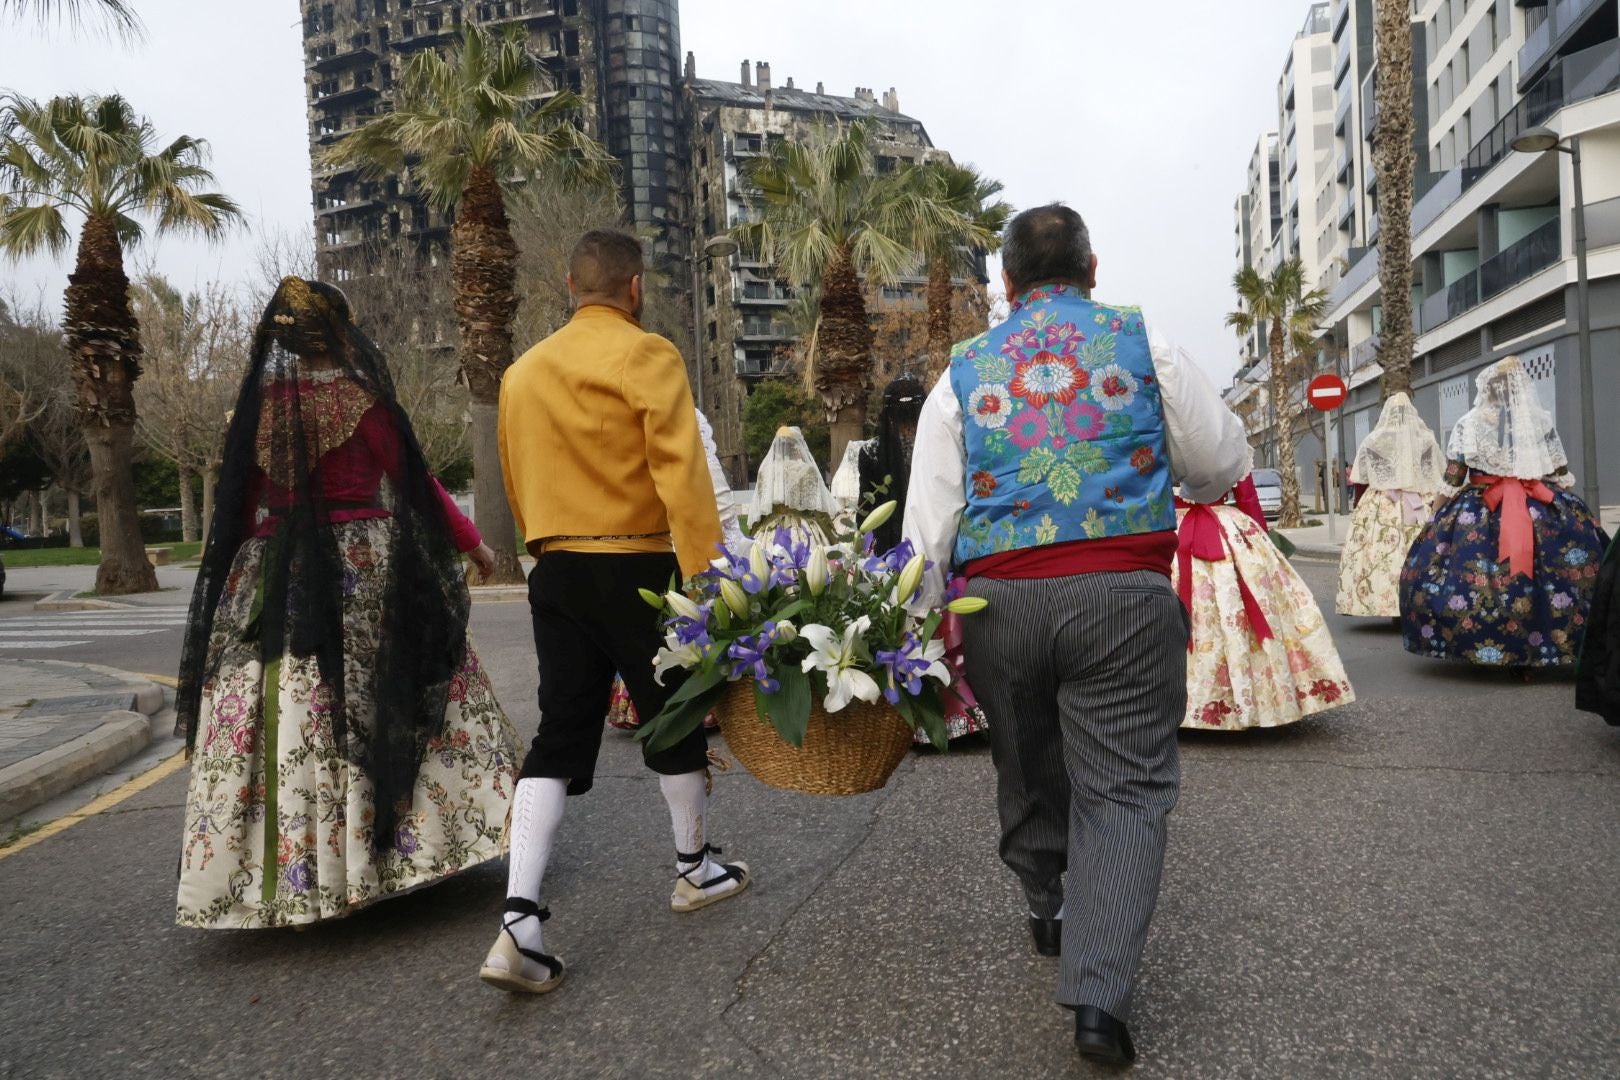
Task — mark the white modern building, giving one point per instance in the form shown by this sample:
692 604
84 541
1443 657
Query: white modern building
1305 120
1493 240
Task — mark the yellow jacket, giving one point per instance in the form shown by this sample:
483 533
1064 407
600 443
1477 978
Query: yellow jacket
599 439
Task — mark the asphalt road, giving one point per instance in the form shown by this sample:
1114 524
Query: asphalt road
1422 884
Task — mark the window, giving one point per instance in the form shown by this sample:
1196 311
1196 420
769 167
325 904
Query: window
571 43
713 330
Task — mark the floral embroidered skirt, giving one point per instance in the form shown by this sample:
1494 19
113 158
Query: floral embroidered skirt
1374 552
1597 690
1458 602
622 716
289 844
1235 680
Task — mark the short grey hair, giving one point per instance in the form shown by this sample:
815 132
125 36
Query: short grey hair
1047 243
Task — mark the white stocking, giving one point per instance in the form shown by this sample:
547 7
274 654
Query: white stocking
537 810
688 799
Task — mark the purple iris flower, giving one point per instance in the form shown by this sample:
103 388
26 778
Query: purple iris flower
693 631
892 561
748 653
905 666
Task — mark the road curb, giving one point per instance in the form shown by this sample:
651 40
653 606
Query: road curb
68 600
499 594
122 734
1317 551
46 775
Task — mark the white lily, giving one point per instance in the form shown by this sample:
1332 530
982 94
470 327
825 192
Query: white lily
877 518
816 571
734 596
967 605
910 579
758 563
835 656
682 605
934 654
674 657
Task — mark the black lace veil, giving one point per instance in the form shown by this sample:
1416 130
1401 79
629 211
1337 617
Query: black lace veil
313 373
886 460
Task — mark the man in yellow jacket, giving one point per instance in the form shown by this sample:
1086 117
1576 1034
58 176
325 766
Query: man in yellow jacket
607 477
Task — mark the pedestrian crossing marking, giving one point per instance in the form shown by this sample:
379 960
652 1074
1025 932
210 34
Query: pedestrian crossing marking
79 628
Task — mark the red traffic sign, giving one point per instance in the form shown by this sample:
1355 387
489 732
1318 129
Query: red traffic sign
1327 392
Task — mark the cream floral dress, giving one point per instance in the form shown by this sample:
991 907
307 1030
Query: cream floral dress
1235 680
1381 532
278 823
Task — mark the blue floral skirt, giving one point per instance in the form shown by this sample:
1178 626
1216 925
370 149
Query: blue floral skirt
1458 602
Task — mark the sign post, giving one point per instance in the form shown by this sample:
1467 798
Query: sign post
1327 393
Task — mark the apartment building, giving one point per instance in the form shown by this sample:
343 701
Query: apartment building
1493 239
621 56
1305 121
742 304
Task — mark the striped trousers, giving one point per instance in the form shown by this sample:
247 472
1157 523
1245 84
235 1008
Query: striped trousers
1083 680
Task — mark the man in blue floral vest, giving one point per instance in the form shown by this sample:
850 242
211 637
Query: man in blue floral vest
1043 473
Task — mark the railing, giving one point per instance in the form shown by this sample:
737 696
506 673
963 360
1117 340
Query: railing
1442 194
1536 251
1573 78
1460 296
1363 268
1563 18
1364 353
1603 223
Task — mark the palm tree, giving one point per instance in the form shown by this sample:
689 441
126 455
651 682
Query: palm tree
1393 160
1291 315
119 14
94 157
954 216
828 222
468 128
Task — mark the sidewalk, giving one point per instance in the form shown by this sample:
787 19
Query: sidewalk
62 724
1314 542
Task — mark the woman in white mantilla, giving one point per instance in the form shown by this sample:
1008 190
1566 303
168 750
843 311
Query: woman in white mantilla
1400 468
791 493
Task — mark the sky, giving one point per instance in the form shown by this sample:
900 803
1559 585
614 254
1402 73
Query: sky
1142 116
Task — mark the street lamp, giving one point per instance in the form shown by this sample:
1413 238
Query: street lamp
716 247
1538 140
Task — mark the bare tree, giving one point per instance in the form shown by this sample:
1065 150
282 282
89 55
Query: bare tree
196 353
27 343
58 439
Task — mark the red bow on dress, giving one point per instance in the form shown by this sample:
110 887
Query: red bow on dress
1200 537
1516 545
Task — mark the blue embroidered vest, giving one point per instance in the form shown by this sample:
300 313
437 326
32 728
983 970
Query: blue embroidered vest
1063 427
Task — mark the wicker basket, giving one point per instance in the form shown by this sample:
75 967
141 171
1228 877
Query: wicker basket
849 753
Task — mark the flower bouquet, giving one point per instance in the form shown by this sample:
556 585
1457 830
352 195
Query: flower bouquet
808 654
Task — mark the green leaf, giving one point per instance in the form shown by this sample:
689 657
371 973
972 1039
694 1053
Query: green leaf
1036 465
684 712
930 626
993 369
1119 425
930 713
1065 483
1098 351
787 710
1087 459
791 611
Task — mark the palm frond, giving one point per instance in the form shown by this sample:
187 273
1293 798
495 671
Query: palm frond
117 15
31 229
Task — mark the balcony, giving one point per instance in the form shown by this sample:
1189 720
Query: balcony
1364 353
350 95
1363 268
758 329
1341 113
337 61
1570 79
1442 193
1459 297
1564 18
1538 250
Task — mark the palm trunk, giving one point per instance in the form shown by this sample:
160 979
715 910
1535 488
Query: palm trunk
939 319
104 346
188 507
75 529
843 374
1283 415
1393 161
483 264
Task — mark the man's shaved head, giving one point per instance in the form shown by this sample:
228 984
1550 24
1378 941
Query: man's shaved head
604 262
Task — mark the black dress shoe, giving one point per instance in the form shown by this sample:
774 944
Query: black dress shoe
1100 1037
1048 935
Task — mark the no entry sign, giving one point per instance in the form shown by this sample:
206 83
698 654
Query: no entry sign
1327 392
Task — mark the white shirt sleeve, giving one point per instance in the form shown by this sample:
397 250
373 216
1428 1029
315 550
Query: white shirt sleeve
1209 450
937 494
